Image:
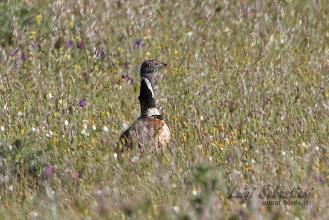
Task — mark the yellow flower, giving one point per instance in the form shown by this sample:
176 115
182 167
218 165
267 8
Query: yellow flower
78 38
326 93
38 19
77 68
32 35
71 24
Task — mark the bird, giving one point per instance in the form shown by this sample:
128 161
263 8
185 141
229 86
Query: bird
149 129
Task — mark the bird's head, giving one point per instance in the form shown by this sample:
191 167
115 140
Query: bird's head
149 67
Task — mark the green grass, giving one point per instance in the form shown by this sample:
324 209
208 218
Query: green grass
245 94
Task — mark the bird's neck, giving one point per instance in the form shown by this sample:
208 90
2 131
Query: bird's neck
147 99
149 76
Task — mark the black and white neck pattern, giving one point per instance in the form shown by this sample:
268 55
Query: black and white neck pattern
147 99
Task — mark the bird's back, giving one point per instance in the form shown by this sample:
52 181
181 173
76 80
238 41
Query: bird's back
146 131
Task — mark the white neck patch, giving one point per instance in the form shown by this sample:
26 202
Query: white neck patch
152 111
149 85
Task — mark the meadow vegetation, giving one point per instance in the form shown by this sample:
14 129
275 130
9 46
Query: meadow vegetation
245 94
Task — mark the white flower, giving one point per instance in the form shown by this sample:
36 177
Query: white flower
19 114
2 128
115 155
134 159
93 127
5 107
10 187
176 208
283 153
49 133
50 96
105 129
33 129
34 214
124 126
84 132
66 123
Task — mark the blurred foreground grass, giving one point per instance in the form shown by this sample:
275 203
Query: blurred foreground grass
246 96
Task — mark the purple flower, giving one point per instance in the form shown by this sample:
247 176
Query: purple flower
48 171
69 44
127 78
35 45
81 45
23 57
82 103
125 65
14 52
138 43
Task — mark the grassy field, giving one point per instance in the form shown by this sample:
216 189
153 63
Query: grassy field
245 94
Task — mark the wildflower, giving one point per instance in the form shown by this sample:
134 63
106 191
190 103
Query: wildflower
38 19
84 132
82 103
127 78
10 187
2 128
69 44
115 155
81 45
190 33
35 45
126 65
176 208
34 215
14 52
48 171
49 133
93 127
71 24
66 123
5 107
77 68
23 57
134 159
138 43
105 129
33 35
